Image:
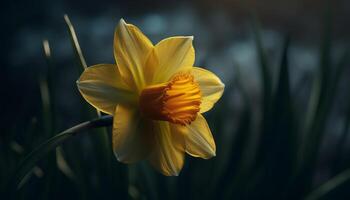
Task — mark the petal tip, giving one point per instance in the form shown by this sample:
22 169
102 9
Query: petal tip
121 24
174 173
120 159
122 21
169 172
211 154
189 38
222 84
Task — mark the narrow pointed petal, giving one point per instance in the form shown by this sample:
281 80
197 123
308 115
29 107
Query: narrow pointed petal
170 56
102 87
168 153
132 135
199 140
211 87
131 48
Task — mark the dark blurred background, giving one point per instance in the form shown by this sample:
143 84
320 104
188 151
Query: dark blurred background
224 42
221 30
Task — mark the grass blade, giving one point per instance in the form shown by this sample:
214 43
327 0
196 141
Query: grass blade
318 111
339 161
264 69
329 186
243 148
318 106
29 162
75 42
101 141
48 121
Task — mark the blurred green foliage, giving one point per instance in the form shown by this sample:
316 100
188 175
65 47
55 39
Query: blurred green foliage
274 158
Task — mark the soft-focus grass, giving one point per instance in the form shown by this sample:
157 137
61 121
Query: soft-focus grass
274 157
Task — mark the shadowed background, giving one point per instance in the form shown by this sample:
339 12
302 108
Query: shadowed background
257 135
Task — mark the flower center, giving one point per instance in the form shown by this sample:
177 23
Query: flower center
177 101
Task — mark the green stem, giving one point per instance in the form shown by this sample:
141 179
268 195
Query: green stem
29 161
102 140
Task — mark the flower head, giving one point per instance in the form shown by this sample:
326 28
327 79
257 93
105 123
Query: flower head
156 97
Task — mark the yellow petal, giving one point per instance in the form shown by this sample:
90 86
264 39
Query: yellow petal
102 87
131 48
199 140
168 153
132 135
211 87
170 56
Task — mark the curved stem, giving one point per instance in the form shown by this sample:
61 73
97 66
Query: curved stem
29 161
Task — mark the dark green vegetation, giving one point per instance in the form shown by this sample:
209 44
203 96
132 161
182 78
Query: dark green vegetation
276 157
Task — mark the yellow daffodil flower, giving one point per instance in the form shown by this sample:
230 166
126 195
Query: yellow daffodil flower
156 97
